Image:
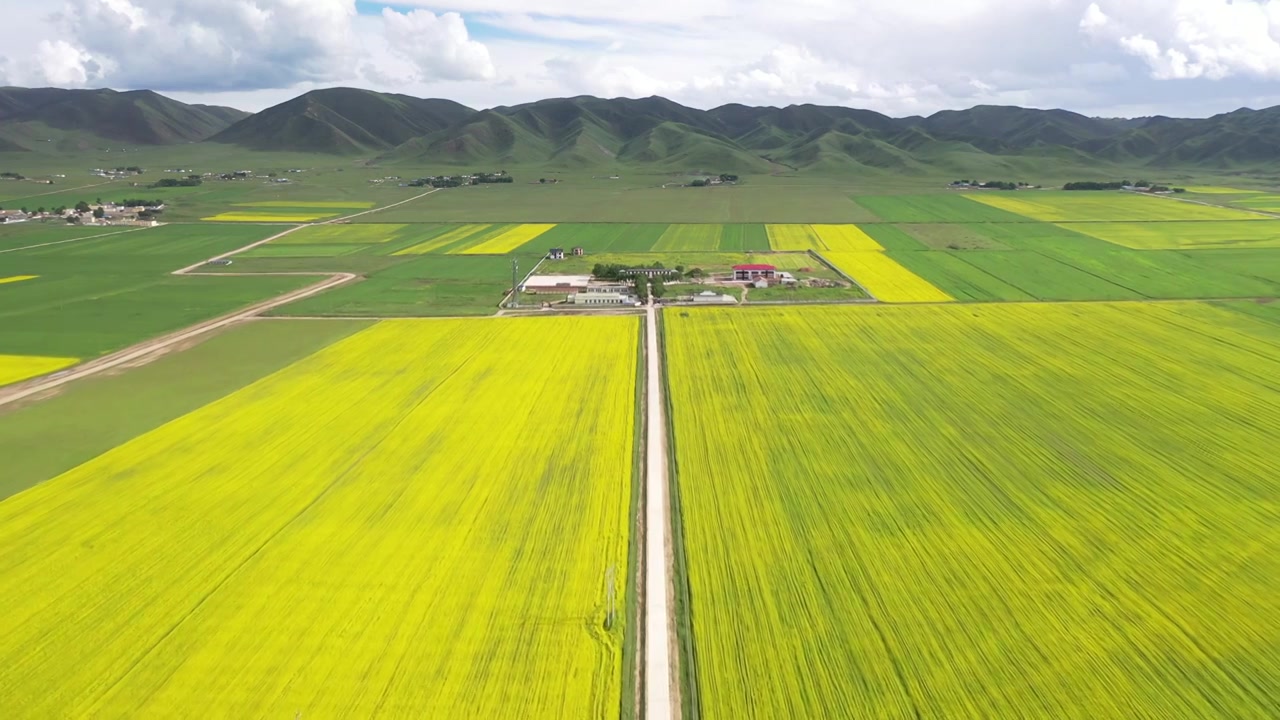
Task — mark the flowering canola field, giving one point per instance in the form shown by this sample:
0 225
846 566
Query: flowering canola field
996 511
16 368
885 278
508 241
419 521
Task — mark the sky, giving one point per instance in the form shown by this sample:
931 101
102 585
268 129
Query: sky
1110 58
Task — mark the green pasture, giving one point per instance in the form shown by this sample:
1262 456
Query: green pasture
97 295
1183 235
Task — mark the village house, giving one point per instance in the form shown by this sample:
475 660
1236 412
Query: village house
749 273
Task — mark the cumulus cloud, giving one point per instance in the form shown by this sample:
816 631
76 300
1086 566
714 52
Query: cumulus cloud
1189 39
606 78
439 46
198 44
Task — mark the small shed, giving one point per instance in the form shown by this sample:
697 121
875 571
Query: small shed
748 273
579 252
556 254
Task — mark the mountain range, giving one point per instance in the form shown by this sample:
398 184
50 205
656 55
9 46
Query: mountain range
587 132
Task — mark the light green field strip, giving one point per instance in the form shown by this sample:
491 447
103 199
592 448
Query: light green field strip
843 238
456 235
341 234
689 237
1182 235
17 279
1105 207
884 278
793 238
264 217
343 205
16 368
324 250
506 242
1220 191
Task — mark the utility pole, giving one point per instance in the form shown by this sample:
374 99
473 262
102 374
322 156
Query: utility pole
515 285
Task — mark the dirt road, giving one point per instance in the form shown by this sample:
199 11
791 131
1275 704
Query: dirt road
659 683
20 391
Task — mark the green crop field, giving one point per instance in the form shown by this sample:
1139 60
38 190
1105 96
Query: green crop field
1183 235
688 238
949 272
938 236
1001 511
950 208
100 294
1060 207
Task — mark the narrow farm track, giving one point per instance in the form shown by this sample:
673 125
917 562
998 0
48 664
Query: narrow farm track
660 698
73 240
21 391
28 389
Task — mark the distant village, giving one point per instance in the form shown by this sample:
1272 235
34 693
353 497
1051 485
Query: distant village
452 181
136 213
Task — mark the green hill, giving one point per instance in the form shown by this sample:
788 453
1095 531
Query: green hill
86 118
343 120
655 133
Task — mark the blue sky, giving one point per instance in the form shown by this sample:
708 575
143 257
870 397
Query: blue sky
1100 57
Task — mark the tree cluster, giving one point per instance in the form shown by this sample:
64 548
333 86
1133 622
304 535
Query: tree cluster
609 271
134 202
1143 185
192 181
12 176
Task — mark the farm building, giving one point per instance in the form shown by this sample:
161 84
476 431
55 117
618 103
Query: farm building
747 273
559 284
579 251
603 298
556 253
649 272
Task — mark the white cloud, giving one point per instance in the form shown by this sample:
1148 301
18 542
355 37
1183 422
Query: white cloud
1190 39
197 44
439 46
606 78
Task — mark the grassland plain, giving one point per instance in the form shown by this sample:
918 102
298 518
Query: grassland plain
1011 510
21 235
1061 207
637 200
98 295
1183 235
426 286
943 208
329 542
40 441
885 279
343 234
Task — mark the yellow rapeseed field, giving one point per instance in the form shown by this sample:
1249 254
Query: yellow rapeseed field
417 522
793 237
845 238
17 279
980 512
16 368
885 279
508 241
457 234
256 217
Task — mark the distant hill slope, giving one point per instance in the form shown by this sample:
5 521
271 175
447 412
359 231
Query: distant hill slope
656 133
343 120
89 117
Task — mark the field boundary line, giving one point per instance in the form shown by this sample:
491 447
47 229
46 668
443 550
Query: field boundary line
1208 204
79 239
21 391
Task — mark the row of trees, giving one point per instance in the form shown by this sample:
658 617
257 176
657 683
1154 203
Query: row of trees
188 181
1146 185
647 287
